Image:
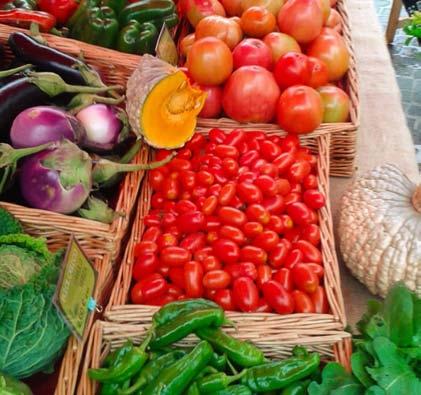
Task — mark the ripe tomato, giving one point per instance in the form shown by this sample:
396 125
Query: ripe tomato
301 19
151 234
276 224
252 52
267 240
225 299
212 223
336 104
191 222
230 167
319 299
284 161
166 240
193 279
299 109
168 220
283 277
278 297
204 178
263 307
283 186
330 47
209 61
157 200
226 250
145 264
216 279
250 95
193 242
274 204
334 21
226 151
314 199
150 288
280 44
213 103
231 216
253 254
249 193
310 182
264 274
226 29
311 233
267 185
217 136
304 278
248 158
303 302
184 206
200 255
186 43
197 142
214 189
209 205
243 269
257 22
245 294
176 275
269 150
310 252
211 263
232 233
292 197
174 256
144 247
317 269
187 180
292 234
319 74
287 222
179 164
155 178
294 256
162 300
278 255
300 213
170 188
298 171
256 212
252 229
227 193
292 69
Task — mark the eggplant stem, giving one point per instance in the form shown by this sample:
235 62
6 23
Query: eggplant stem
9 155
147 166
91 89
97 99
7 73
4 178
131 153
36 34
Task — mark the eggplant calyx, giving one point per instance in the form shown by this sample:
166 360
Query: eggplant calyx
7 73
98 210
83 100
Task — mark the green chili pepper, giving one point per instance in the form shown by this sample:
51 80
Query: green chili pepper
115 357
130 364
241 353
177 377
217 381
238 389
173 310
206 371
152 370
219 362
145 10
184 325
278 375
193 390
138 38
298 388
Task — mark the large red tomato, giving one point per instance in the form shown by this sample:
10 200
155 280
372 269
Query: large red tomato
250 95
213 103
300 109
272 6
209 61
186 43
319 74
301 19
325 7
195 10
334 21
280 44
257 22
232 7
331 49
252 51
226 29
336 104
292 69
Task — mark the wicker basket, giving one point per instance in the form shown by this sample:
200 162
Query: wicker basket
276 344
118 311
343 135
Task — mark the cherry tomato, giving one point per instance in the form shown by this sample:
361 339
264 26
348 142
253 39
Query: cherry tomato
269 169
155 178
317 269
193 242
176 275
210 293
249 193
267 240
209 205
150 288
298 171
170 188
204 178
310 252
198 192
164 270
253 254
278 297
247 176
151 234
185 206
314 199
243 269
216 279
219 175
144 247
267 185
303 302
269 150
274 204
168 220
217 136
275 224
197 142
230 167
191 222
212 236
169 205
175 291
166 240
226 250
186 195
292 234
278 255
201 254
231 216
304 278
187 180
296 188
214 190
174 256
225 299
283 277
151 220
227 194
235 137
145 264
310 182
283 186
256 212
162 300
263 307
320 301
184 153
226 151
179 164
232 233
212 223
292 197
211 263
245 294
294 256
248 158
252 229
257 164
193 279
264 274
284 161
162 154
256 135
311 233
299 213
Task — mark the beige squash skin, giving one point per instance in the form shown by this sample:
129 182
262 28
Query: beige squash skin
380 230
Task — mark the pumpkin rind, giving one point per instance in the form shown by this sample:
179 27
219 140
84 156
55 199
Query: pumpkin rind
380 230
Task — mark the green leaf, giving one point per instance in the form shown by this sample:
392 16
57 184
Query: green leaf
376 327
359 361
375 390
373 307
335 381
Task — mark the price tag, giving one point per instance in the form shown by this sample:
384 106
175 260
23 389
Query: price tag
165 48
75 289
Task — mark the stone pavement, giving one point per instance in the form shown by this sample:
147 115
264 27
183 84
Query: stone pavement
407 62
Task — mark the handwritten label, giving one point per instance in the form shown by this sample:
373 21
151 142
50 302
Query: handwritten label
165 48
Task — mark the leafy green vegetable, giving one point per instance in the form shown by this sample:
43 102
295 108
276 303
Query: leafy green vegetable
8 223
11 386
375 390
374 307
413 27
335 381
359 360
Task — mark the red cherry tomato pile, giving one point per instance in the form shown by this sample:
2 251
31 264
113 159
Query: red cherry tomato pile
234 219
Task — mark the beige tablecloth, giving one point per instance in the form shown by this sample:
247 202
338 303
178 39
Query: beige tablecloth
383 136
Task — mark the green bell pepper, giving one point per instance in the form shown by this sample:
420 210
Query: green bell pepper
137 38
116 5
145 10
170 21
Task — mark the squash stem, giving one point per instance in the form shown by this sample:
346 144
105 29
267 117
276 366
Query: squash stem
416 199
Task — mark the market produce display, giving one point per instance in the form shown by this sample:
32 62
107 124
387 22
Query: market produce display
52 108
233 218
379 230
268 61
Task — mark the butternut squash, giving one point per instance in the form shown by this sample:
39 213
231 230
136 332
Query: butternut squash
161 104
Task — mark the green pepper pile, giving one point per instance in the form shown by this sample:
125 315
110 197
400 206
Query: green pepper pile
132 28
219 364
